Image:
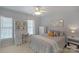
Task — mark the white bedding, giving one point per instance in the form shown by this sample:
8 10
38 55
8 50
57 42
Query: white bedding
44 44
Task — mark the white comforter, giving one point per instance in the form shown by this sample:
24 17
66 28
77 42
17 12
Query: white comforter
44 44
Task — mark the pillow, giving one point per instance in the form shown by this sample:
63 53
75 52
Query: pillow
50 34
55 33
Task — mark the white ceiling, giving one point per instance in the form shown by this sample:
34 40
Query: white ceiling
50 9
24 9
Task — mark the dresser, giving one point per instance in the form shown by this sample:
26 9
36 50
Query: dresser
73 40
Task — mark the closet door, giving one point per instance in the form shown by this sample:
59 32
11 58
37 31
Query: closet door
42 30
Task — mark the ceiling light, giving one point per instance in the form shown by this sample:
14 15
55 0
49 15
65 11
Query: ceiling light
61 21
72 31
38 13
39 10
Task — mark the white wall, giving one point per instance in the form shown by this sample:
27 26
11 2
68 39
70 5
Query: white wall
17 16
70 16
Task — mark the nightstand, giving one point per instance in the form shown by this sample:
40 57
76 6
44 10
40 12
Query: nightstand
24 37
73 40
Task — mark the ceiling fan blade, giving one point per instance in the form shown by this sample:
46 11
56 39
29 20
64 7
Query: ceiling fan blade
43 11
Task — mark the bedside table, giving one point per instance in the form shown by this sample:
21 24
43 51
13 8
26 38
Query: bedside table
73 40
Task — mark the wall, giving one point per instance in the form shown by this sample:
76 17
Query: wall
16 16
70 15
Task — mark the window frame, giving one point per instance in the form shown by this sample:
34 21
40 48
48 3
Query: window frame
6 27
32 27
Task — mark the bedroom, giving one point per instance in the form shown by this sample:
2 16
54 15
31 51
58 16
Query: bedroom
26 31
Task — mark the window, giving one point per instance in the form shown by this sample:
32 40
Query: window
5 27
30 25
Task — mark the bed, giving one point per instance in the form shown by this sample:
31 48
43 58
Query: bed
45 44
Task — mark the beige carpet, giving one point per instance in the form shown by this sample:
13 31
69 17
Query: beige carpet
16 49
24 48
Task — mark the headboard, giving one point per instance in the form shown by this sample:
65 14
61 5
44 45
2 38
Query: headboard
58 30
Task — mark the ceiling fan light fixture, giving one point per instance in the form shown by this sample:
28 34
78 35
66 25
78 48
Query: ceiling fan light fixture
39 10
38 13
36 8
61 21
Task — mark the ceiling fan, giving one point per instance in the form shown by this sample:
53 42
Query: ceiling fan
39 10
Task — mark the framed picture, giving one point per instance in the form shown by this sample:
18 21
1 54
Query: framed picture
20 25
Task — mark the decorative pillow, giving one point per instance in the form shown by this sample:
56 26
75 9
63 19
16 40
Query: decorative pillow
50 34
55 33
